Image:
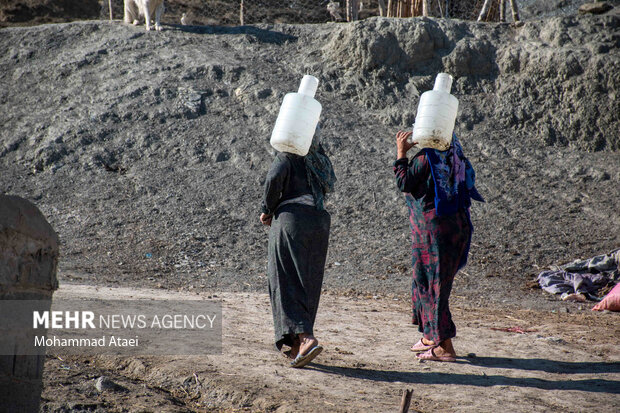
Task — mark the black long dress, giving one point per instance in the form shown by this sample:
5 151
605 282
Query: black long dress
298 242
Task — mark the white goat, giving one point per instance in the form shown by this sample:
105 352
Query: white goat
136 8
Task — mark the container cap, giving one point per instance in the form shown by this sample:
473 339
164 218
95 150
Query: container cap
308 85
443 82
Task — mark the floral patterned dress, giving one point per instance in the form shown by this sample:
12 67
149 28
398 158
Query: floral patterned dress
439 244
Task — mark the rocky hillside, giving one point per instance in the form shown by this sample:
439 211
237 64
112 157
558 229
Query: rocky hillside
147 150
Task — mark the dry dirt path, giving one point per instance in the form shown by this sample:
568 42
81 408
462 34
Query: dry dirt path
568 363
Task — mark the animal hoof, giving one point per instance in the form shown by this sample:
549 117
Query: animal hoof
135 22
158 28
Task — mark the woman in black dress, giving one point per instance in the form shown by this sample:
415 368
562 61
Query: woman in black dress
293 205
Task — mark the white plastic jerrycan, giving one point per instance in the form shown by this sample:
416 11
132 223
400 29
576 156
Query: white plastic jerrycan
297 120
434 122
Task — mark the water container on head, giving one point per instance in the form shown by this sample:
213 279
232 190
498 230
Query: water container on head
434 122
297 120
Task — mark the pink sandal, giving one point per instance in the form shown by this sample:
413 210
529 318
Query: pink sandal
430 355
420 347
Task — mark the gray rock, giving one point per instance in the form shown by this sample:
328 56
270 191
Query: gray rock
556 340
28 263
190 103
104 383
28 250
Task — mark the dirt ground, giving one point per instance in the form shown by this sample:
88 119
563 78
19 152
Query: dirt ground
564 362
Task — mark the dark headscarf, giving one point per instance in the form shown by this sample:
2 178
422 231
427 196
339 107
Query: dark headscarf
319 170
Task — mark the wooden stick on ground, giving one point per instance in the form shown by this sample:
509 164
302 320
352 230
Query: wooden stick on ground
515 11
405 401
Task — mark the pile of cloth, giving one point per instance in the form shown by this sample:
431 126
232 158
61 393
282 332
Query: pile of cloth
582 279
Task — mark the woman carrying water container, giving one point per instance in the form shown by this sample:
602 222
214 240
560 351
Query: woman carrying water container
439 184
293 205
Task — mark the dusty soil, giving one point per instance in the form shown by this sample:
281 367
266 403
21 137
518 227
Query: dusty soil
149 164
568 362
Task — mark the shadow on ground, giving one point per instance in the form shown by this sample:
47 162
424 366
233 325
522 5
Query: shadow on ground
259 35
484 380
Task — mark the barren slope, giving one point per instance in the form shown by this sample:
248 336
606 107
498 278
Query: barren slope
147 151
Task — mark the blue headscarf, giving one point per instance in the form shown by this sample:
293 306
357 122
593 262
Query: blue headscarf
454 179
319 170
